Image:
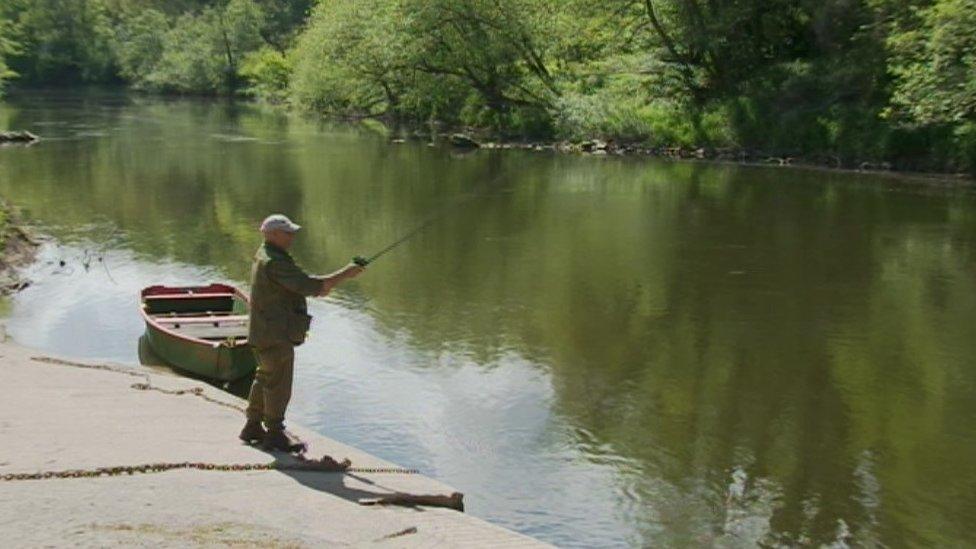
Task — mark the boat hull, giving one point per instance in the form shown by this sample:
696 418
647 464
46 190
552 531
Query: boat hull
201 330
210 360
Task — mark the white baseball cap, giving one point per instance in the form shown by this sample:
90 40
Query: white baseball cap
279 222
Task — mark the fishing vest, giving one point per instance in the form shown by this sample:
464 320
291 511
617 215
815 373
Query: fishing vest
279 312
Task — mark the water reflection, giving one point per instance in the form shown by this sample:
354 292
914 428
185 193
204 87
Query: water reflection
599 351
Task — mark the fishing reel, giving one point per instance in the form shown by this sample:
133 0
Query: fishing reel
360 260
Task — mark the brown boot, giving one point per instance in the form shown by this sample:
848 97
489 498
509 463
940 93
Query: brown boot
281 440
253 432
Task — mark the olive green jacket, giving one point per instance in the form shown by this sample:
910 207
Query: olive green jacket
279 312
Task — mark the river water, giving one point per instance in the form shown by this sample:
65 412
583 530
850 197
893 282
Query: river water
597 351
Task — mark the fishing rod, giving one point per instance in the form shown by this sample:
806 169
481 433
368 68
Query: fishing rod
428 221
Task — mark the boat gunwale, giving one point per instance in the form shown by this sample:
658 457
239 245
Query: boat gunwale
151 321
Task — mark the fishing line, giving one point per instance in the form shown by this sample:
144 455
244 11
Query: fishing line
437 215
107 272
86 259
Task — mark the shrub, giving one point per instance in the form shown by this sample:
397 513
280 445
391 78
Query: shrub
267 72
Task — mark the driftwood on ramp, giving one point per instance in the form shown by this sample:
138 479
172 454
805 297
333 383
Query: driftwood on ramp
454 501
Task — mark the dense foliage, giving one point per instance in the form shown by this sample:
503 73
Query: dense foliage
843 81
8 47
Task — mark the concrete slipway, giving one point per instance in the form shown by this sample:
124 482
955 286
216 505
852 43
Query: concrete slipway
59 415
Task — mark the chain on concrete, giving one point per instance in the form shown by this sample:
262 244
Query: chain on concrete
304 464
116 369
146 385
196 391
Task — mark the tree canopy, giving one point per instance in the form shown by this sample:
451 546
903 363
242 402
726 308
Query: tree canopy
934 61
843 80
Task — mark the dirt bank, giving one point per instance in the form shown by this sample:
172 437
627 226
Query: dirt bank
17 249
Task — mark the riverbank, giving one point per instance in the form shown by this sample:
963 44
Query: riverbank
17 249
150 458
469 139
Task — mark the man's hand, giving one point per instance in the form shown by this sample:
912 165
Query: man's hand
331 281
352 270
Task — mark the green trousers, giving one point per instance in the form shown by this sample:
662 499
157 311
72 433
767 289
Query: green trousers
271 389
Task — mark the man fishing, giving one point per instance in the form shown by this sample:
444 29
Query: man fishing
278 322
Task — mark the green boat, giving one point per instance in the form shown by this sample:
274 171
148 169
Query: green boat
200 329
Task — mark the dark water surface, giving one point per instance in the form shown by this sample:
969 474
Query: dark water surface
599 352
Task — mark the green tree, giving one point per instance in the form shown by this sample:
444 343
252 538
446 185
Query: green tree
202 52
934 63
483 62
191 58
351 58
268 72
193 46
63 40
497 47
285 19
842 81
139 43
8 47
710 47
